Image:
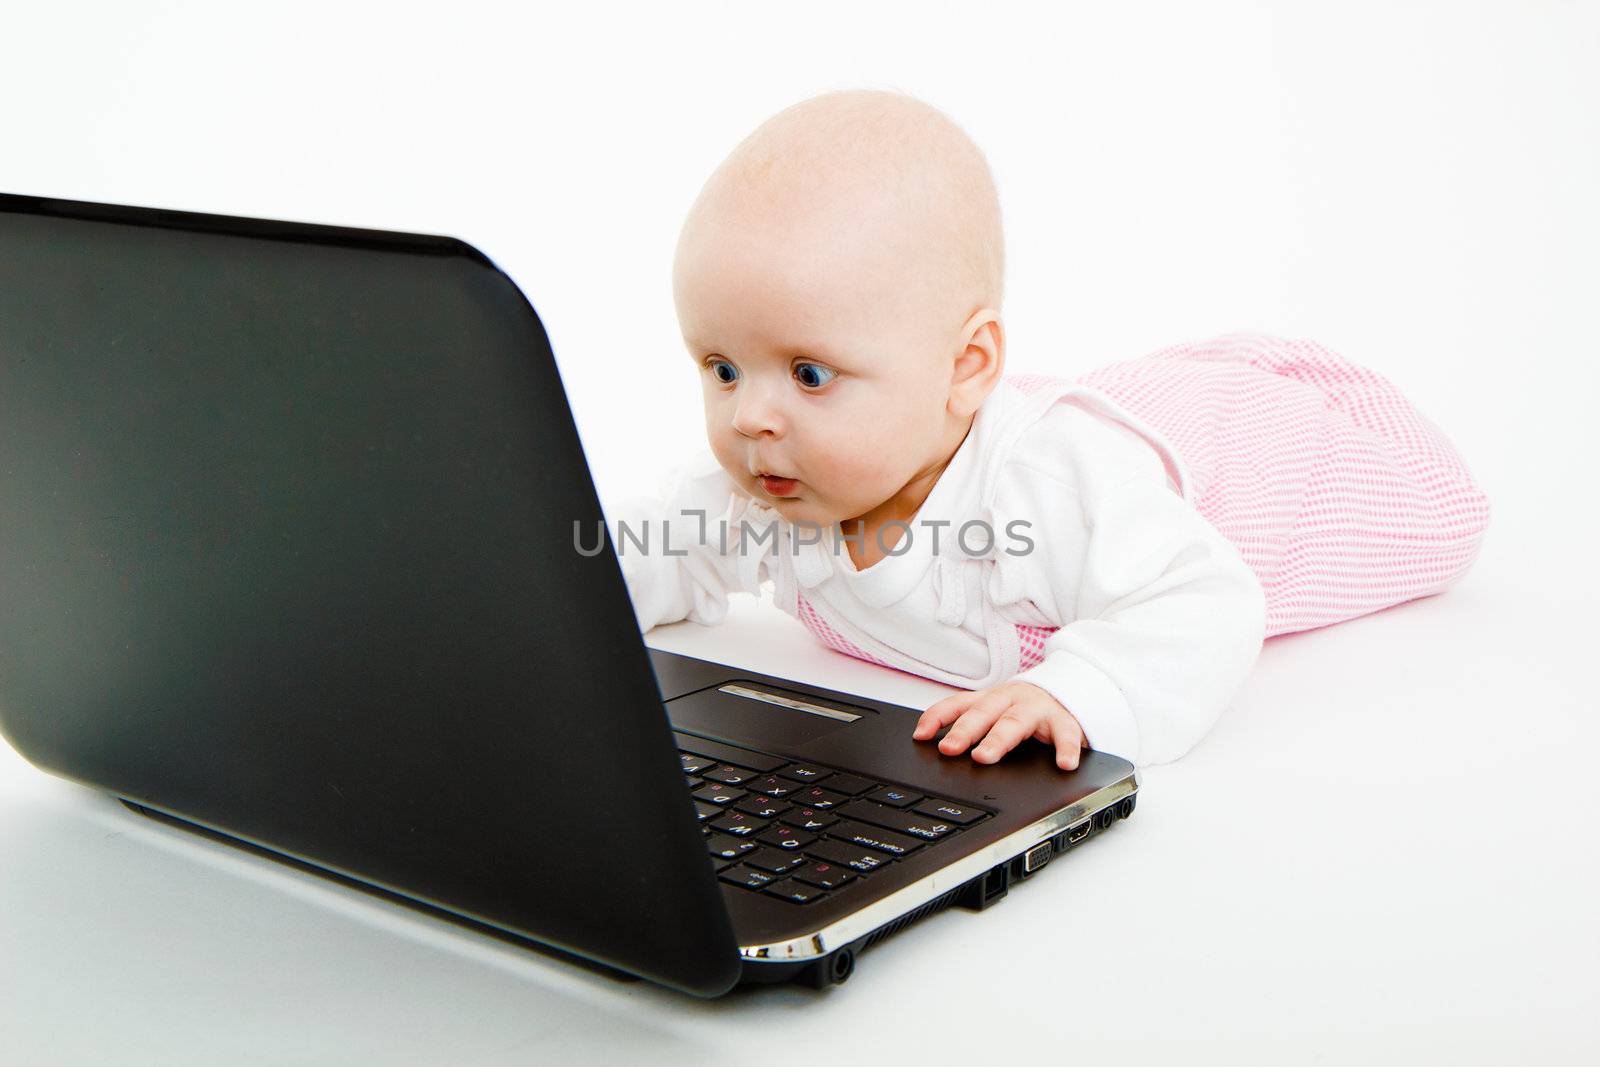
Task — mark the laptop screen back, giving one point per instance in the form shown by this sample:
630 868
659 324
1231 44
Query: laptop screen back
287 549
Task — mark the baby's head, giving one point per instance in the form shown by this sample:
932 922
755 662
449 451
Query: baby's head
838 283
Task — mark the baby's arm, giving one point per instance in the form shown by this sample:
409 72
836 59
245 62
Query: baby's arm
1163 621
695 580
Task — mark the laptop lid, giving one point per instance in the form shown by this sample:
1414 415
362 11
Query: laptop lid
287 550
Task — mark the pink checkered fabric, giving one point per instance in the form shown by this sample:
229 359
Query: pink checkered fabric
828 635
1339 494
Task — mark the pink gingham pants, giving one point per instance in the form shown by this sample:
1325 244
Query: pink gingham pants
1339 494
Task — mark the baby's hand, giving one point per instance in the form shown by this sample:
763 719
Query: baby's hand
1007 714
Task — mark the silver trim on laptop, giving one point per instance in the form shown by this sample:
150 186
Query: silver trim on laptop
769 697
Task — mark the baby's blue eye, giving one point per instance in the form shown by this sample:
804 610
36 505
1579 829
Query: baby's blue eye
812 375
717 366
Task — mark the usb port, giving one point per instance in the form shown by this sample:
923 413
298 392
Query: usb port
1078 833
1036 857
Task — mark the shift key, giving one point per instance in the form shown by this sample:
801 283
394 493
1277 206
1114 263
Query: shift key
905 822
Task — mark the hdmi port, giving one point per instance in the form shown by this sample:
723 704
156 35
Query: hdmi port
1078 833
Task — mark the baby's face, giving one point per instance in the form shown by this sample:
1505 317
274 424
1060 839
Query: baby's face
824 363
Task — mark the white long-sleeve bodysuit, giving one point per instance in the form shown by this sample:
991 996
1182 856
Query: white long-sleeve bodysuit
1160 619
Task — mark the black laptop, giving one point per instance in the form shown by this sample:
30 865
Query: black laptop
287 555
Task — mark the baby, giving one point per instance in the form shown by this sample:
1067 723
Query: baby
1047 546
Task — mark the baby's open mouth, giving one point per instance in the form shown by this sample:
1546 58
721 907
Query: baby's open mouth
777 486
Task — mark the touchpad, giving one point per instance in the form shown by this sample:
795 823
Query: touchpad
756 713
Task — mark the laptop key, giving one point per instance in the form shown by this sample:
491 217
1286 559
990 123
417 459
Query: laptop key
728 775
826 875
742 874
717 793
894 796
817 797
771 785
763 807
704 810
785 837
905 822
960 814
802 772
776 860
729 847
808 818
695 764
927 827
874 837
849 783
738 823
858 857
799 892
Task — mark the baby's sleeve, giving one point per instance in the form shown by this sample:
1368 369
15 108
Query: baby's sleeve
1161 618
677 547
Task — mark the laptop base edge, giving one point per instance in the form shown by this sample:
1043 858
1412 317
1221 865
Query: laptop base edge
831 969
976 894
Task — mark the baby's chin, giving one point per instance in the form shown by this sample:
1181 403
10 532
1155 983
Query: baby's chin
798 509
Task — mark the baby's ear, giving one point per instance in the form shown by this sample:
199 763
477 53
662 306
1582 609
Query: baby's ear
980 363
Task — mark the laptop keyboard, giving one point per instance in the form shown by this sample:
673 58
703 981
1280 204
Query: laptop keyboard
798 831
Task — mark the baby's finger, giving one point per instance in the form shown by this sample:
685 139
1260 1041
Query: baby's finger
1009 729
941 714
1069 739
975 722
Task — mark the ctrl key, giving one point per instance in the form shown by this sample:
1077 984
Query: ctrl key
798 892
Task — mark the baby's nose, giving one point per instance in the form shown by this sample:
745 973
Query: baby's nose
756 413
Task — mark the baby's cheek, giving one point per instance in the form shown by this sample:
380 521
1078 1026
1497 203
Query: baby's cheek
871 458
733 463
859 487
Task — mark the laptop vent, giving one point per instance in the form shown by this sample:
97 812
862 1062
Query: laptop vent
936 904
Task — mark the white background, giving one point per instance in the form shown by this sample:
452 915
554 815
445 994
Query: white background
1385 850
